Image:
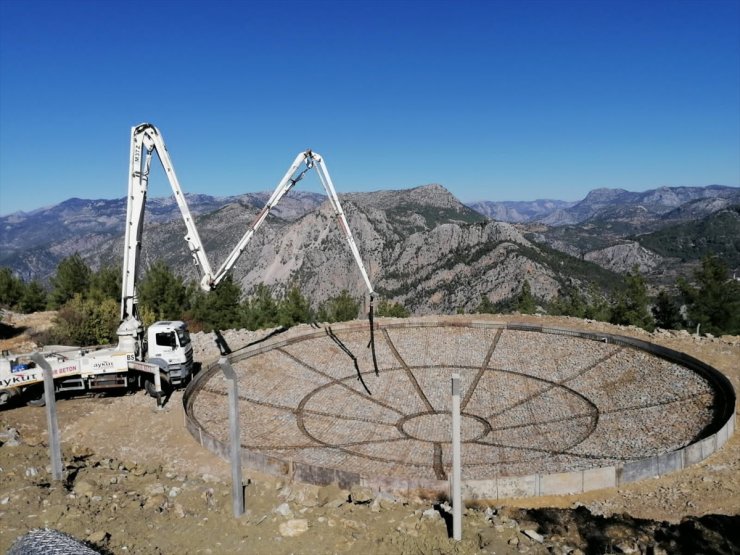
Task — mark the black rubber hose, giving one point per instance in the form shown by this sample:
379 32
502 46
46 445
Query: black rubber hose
372 335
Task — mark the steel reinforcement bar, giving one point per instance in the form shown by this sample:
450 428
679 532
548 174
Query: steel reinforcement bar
712 438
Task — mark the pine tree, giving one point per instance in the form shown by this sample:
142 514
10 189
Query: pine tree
394 310
339 308
219 309
631 306
33 298
294 309
11 288
162 292
597 307
715 304
72 277
525 301
666 312
570 302
486 306
261 310
106 283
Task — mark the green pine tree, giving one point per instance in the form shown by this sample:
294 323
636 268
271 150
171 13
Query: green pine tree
221 308
666 312
261 310
525 302
631 305
393 310
72 278
570 302
11 288
294 309
485 306
162 292
106 283
339 308
33 298
715 302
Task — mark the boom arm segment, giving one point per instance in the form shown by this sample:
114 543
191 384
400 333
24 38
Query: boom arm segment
209 281
145 139
311 160
334 199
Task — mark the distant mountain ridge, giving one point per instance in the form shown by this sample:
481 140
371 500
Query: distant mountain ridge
75 216
421 246
518 211
608 203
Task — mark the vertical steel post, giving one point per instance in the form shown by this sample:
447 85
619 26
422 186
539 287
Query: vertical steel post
55 450
456 470
237 488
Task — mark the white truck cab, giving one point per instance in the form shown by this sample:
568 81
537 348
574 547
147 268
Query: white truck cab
168 345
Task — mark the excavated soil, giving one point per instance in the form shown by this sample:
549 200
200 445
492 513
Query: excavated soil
136 482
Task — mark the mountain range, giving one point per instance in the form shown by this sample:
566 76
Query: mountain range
422 246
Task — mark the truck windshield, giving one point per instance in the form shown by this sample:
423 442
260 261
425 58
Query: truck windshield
166 339
184 337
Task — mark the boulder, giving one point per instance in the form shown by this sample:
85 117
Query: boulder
361 495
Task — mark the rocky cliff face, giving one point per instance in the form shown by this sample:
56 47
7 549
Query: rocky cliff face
420 246
418 250
624 257
33 243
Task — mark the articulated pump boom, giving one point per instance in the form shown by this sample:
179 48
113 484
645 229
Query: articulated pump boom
145 139
163 352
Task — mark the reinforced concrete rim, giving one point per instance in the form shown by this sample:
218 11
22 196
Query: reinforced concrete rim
712 437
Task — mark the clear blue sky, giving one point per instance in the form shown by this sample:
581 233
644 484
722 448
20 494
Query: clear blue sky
494 100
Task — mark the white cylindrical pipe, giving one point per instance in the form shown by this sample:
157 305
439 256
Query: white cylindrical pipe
55 450
237 487
456 461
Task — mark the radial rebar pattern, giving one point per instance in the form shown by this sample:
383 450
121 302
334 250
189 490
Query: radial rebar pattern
532 402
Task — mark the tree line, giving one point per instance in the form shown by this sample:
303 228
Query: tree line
711 304
88 303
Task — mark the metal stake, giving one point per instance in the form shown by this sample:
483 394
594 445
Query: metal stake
456 470
237 488
55 451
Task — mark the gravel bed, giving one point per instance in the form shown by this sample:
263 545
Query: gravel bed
542 404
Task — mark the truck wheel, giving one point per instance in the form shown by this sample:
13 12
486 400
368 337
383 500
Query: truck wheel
151 390
5 397
35 396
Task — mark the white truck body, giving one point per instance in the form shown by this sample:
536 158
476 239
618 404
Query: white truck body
75 369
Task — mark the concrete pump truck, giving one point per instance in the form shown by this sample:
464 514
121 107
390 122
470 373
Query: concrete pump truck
160 356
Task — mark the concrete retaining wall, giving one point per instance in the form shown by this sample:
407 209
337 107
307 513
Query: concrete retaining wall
596 478
714 436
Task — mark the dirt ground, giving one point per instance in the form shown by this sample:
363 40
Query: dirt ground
136 482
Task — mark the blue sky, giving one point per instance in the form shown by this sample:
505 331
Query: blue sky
494 100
